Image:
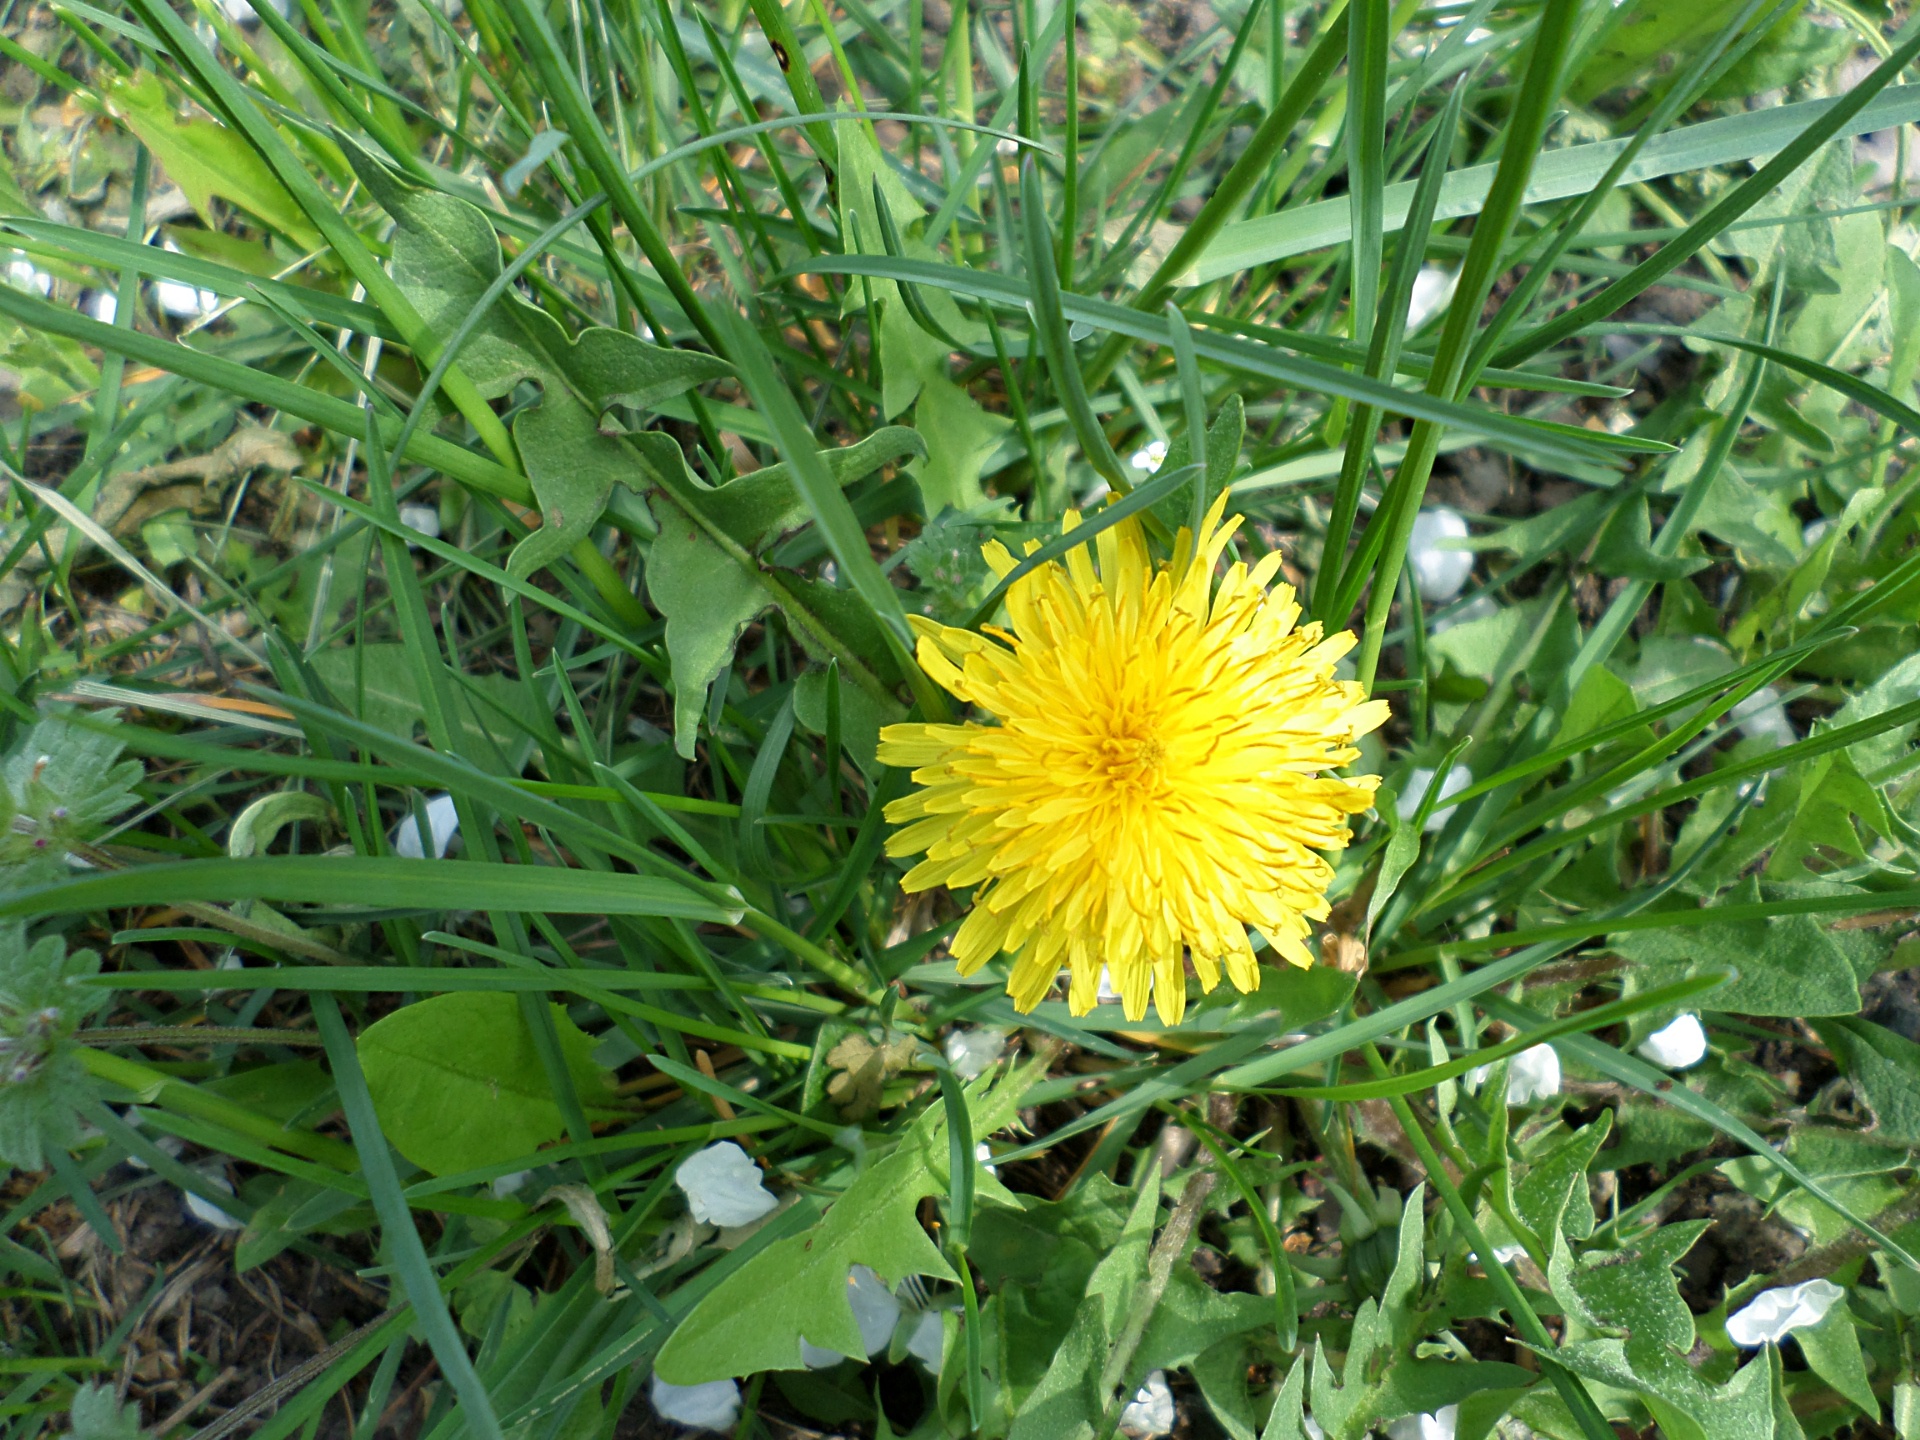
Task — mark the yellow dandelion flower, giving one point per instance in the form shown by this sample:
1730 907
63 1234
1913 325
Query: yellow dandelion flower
1158 779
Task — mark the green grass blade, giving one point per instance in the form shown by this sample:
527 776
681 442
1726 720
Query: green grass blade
396 1222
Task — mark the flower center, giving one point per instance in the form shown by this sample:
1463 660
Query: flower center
1131 762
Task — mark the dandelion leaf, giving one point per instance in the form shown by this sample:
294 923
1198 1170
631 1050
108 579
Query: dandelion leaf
1224 439
1832 1351
1631 1298
97 1414
205 158
710 594
1785 965
445 256
796 1288
1834 804
1885 1070
1553 1198
1070 1399
1036 1260
1287 1419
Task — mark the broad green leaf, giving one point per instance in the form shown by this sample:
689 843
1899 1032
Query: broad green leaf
1895 686
1225 436
1631 1291
1221 1374
1787 965
1287 1419
1602 699
97 1414
205 158
284 1091
1070 1399
1381 1378
961 436
708 595
1633 1294
1903 301
797 1287
1684 1406
1643 34
1885 1070
1485 648
860 718
1833 802
1036 1260
1192 1317
1553 1197
1557 175
458 1083
1625 547
445 257
1832 1348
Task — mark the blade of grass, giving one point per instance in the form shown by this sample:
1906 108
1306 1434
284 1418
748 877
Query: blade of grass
1055 339
403 1243
1830 122
372 882
1526 129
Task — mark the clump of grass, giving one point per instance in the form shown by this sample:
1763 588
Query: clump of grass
477 476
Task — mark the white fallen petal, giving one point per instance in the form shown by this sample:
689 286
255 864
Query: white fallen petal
205 1211
1419 781
1440 574
984 1154
876 1309
23 274
1151 1412
1761 716
1432 289
425 519
1440 1425
928 1342
1677 1045
1108 995
1149 457
510 1184
1533 1075
971 1053
723 1187
443 819
103 306
1772 1315
712 1406
186 302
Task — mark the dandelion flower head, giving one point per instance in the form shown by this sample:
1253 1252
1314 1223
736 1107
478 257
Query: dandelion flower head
1158 779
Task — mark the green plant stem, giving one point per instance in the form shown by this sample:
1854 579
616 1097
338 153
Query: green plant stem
1525 131
187 1099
